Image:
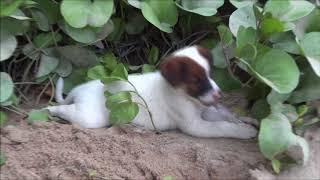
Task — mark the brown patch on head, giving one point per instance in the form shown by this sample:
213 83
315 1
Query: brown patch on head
183 72
206 54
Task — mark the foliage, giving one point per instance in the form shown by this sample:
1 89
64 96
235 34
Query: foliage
269 48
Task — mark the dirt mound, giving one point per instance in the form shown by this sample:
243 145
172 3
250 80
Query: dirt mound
61 151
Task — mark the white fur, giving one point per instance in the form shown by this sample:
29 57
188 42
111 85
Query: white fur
171 108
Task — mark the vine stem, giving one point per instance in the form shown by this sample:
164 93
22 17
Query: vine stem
145 105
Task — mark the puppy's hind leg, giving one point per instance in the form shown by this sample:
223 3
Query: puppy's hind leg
66 112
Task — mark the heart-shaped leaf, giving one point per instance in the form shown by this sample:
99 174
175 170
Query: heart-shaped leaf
47 65
153 56
44 40
277 69
97 72
123 113
7 7
270 26
242 3
225 35
41 19
38 115
148 68
274 126
79 56
64 68
89 34
201 7
242 17
120 72
246 36
117 98
287 10
8 44
6 88
310 46
162 14
79 14
309 86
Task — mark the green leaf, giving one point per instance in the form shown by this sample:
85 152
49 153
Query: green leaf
246 36
18 14
38 115
276 165
41 19
270 26
89 34
153 56
14 26
224 80
8 44
97 72
78 76
201 7
135 3
225 35
109 61
242 3
310 45
79 14
64 68
47 65
248 52
120 72
148 68
50 8
3 118
79 56
12 100
242 17
162 14
7 7
309 86
117 98
286 10
274 126
275 98
260 109
2 158
44 40
123 113
218 56
135 24
6 88
302 110
119 28
277 69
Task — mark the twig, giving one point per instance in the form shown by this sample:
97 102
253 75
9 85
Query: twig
146 105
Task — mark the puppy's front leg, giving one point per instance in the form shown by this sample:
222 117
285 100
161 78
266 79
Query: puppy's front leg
207 129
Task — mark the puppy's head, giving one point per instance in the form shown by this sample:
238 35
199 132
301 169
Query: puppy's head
189 69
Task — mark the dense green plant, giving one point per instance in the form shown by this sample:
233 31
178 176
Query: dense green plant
269 48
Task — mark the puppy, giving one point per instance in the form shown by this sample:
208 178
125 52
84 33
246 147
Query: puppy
180 96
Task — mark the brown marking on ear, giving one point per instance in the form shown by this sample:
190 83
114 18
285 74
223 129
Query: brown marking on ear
183 72
206 54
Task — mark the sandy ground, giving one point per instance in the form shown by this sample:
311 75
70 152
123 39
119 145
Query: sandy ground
51 150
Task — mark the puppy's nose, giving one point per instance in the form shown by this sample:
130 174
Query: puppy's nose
216 95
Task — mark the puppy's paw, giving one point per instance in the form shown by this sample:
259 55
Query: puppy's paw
246 131
249 120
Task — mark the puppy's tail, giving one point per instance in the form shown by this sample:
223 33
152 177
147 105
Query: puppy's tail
59 93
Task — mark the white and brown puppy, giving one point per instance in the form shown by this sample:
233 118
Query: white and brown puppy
179 96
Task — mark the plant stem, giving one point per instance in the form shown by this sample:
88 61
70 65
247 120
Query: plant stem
145 103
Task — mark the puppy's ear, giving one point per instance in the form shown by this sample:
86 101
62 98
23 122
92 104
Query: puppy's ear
206 54
173 70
